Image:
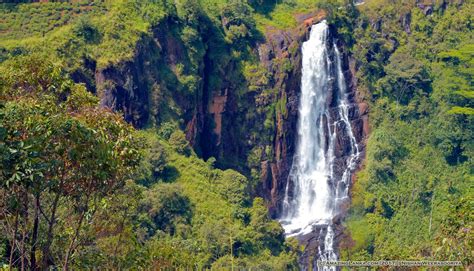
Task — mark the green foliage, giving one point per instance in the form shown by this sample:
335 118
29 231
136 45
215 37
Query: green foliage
89 32
341 15
167 209
153 165
282 105
110 30
280 14
455 239
256 76
56 147
455 74
166 129
179 142
269 232
404 76
177 225
254 157
121 32
461 110
37 19
32 75
238 22
410 200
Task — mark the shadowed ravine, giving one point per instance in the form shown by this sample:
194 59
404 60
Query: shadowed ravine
319 181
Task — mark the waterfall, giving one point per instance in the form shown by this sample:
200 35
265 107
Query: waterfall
317 183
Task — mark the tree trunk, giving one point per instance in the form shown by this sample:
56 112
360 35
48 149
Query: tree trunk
119 241
23 252
34 238
46 257
72 245
12 249
73 241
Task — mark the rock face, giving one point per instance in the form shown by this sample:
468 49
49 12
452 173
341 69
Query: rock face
280 46
154 87
285 45
141 88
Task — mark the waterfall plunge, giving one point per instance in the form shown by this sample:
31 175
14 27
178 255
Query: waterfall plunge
315 188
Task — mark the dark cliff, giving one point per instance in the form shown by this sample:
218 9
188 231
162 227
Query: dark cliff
157 86
281 56
280 49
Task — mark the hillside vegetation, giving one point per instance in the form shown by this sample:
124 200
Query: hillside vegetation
136 198
83 187
414 197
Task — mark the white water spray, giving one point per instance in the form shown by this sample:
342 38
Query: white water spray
315 187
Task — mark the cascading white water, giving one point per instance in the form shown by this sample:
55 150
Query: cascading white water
315 188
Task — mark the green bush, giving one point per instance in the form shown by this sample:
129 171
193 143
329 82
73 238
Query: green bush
166 129
86 30
167 209
179 142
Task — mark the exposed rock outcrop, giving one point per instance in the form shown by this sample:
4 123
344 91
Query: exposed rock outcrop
280 48
147 89
281 56
285 47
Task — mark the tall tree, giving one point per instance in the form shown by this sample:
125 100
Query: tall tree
57 147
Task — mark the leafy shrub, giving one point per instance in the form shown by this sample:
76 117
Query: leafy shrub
238 22
166 129
167 208
179 142
86 30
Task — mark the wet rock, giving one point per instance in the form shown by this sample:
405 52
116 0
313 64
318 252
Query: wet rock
358 117
279 49
121 91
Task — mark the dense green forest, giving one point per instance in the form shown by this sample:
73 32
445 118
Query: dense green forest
83 186
414 197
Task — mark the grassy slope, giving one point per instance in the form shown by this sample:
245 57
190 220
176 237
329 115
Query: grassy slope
20 21
50 26
53 28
